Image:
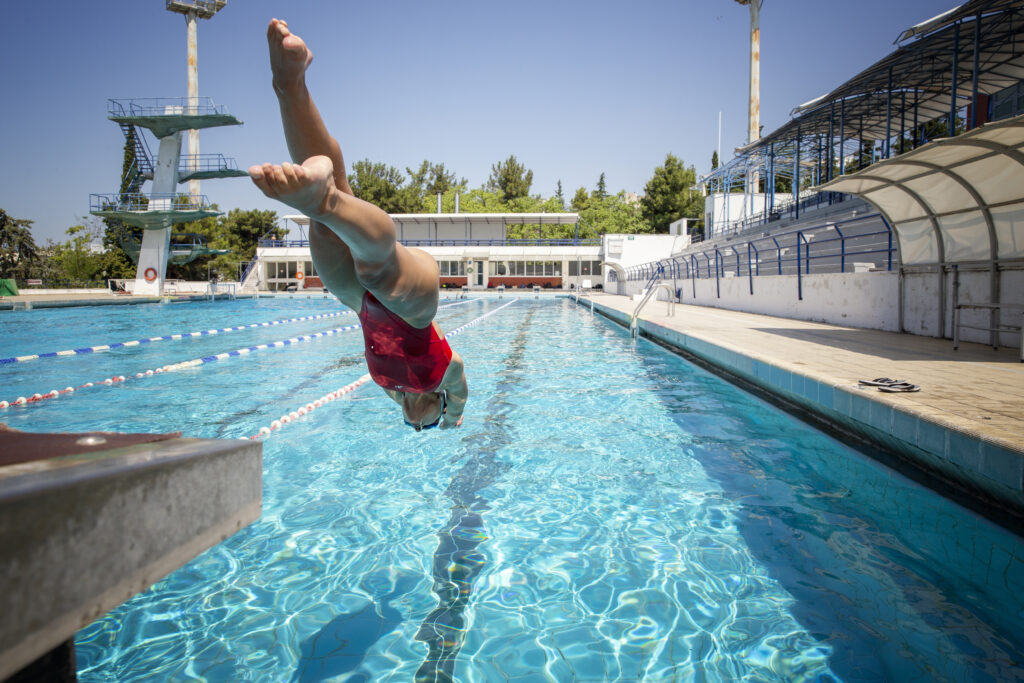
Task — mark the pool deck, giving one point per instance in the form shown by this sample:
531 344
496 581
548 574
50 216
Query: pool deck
966 424
31 301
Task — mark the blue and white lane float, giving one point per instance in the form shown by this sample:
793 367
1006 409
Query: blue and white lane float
166 337
118 379
350 387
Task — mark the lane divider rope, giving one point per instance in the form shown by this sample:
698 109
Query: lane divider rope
350 387
166 337
117 379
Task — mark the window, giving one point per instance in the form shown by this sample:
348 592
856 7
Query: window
584 268
451 268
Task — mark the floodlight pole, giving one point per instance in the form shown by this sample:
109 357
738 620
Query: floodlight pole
192 22
754 102
193 11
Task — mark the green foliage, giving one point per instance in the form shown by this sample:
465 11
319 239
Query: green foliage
581 199
510 179
74 259
668 197
559 196
383 186
430 179
602 188
714 160
612 214
239 231
117 263
19 255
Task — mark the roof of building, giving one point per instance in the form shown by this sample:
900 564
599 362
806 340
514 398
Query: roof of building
953 200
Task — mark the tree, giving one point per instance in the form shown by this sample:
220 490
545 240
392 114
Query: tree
611 214
74 259
602 189
18 251
580 200
381 185
239 231
714 160
432 179
115 261
510 179
559 196
668 197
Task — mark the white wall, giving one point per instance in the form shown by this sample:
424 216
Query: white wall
721 208
865 300
624 251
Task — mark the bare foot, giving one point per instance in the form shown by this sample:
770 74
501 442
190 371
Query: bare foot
289 56
307 188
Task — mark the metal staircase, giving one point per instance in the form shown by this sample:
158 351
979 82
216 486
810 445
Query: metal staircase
141 169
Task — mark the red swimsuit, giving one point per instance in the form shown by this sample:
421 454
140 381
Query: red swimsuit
401 357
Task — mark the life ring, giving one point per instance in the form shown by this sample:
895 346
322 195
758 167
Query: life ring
150 274
469 269
299 275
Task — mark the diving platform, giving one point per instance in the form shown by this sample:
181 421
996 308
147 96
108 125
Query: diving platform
185 247
154 211
205 166
165 116
204 9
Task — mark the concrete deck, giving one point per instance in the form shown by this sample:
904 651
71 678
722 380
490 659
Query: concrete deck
31 301
966 423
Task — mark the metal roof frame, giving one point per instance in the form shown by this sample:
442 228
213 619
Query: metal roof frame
976 48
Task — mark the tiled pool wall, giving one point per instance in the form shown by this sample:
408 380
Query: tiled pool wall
988 471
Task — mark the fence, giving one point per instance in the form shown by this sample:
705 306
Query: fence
588 242
831 247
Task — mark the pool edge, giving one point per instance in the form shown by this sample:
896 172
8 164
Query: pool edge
985 469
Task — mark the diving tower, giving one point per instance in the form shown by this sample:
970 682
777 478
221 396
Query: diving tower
157 211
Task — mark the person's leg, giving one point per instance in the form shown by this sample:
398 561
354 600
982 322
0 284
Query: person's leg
405 281
307 136
304 128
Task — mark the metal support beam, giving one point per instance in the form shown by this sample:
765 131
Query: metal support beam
974 72
951 131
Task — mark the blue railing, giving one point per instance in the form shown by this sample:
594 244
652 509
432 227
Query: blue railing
139 201
164 106
248 269
589 242
788 209
830 254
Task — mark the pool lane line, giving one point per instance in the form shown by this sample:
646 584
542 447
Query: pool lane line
118 379
352 386
166 337
457 561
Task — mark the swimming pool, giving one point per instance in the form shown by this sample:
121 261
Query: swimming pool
608 512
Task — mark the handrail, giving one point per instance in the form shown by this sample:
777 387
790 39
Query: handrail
633 324
871 242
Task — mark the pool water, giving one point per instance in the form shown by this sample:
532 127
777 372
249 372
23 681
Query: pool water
608 512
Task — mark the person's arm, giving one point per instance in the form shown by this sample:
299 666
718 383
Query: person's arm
454 385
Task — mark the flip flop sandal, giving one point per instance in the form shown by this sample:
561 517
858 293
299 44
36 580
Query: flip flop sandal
900 388
880 382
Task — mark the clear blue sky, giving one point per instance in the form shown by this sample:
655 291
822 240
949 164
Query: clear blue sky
572 88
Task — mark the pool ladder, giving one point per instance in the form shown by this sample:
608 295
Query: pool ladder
634 323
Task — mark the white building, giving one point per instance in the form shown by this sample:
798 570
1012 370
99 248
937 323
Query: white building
472 249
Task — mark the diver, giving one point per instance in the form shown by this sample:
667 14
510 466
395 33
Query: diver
354 246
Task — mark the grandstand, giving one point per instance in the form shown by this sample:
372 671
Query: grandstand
902 188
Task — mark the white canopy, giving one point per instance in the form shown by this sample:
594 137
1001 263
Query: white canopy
952 200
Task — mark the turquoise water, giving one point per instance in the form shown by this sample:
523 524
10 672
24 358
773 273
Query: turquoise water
608 512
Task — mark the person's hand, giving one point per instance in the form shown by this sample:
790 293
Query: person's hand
445 424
